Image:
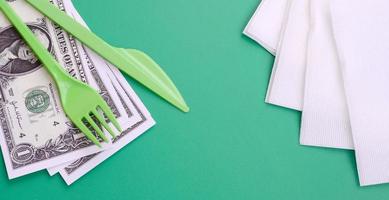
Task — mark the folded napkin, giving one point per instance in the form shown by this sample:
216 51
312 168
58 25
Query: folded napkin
286 87
325 121
331 63
265 25
362 38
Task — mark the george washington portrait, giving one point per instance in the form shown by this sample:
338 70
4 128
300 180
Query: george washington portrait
16 57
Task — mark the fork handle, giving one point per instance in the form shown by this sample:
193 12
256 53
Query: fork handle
54 68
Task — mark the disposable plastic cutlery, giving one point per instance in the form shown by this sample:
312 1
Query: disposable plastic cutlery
81 103
132 62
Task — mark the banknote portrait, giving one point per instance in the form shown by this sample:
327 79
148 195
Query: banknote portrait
16 57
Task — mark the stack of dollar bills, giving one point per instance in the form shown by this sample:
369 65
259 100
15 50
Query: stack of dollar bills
35 133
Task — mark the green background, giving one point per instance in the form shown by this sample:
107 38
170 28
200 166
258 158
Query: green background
231 145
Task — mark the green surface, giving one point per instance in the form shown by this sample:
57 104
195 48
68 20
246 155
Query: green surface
230 146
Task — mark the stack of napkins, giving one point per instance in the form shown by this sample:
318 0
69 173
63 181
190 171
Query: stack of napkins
331 64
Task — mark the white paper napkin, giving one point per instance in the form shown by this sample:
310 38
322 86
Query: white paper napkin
325 120
286 87
361 31
265 25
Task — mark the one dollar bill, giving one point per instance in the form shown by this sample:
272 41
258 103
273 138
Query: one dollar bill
35 133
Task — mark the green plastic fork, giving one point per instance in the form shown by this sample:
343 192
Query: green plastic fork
80 102
132 62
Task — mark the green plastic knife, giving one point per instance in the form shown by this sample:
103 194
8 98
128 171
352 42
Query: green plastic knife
130 61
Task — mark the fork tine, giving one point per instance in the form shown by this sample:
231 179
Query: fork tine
104 123
108 112
80 125
95 127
